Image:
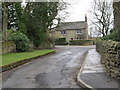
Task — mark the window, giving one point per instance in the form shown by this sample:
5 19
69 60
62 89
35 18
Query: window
71 38
63 32
78 31
78 38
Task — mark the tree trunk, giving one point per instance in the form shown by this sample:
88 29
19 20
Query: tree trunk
116 7
4 22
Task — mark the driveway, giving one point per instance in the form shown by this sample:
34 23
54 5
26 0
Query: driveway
53 71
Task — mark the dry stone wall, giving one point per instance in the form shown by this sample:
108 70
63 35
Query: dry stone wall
110 56
7 47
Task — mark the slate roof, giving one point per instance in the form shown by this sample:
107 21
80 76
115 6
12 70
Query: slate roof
72 25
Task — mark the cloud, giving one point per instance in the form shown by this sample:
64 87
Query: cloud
78 9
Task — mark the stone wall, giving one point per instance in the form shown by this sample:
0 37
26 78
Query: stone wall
7 47
110 56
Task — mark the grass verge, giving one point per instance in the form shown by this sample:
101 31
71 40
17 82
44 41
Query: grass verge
14 57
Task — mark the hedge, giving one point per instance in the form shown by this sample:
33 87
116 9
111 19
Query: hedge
81 42
61 41
115 36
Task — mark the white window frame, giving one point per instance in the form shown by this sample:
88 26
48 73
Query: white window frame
63 32
79 31
79 39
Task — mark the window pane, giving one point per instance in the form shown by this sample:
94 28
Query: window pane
63 32
79 31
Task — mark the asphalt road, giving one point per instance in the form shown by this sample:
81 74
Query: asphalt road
58 70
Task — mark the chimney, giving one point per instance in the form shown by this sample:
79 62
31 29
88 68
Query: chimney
86 17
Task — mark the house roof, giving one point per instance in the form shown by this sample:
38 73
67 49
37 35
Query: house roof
71 25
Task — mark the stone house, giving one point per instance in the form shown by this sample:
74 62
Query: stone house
71 30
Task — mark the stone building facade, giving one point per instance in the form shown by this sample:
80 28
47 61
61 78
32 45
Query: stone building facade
71 30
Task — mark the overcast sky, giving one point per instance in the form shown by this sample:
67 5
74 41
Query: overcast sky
78 9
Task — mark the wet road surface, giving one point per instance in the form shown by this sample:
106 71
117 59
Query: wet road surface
58 70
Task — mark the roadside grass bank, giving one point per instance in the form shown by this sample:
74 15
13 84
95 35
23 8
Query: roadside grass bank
13 60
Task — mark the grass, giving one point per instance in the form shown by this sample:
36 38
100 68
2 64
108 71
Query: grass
13 57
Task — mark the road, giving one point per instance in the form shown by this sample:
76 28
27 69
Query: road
58 70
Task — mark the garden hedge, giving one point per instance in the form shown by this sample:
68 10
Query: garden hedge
81 42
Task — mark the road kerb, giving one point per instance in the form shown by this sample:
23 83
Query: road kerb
80 81
23 63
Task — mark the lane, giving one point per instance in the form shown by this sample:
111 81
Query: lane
52 71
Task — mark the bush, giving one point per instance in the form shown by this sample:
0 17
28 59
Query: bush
48 43
107 37
115 36
61 41
81 42
21 41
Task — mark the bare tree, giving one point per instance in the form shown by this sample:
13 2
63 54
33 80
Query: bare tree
62 13
102 16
